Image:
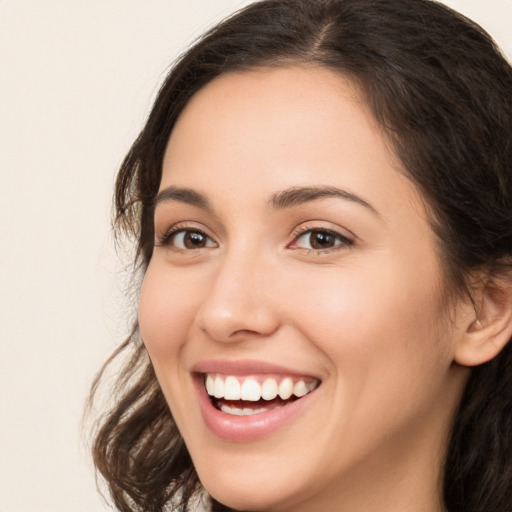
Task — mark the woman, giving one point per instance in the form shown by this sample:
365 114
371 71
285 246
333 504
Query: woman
322 204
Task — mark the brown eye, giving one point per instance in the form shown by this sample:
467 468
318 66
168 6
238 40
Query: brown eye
191 239
321 239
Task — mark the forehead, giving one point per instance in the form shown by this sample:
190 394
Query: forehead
286 127
292 103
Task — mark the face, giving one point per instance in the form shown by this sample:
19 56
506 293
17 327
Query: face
293 308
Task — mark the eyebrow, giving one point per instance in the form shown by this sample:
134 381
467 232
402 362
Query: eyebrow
288 198
182 195
299 195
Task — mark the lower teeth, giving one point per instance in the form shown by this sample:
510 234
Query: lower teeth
246 411
240 410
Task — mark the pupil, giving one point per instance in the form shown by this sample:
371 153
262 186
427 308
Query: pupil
194 240
321 240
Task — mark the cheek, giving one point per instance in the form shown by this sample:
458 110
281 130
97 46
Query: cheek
166 311
366 321
380 338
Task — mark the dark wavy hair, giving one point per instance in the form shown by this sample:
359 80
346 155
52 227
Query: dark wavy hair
442 91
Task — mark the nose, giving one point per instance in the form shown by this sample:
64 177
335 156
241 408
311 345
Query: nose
240 302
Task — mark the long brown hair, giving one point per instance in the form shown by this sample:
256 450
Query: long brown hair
442 92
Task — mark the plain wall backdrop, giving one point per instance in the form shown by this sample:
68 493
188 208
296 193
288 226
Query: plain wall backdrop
76 82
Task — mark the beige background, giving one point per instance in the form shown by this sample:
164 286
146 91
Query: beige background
76 81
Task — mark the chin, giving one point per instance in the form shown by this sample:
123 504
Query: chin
262 486
249 497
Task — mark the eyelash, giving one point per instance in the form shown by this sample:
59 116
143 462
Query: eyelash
167 238
341 241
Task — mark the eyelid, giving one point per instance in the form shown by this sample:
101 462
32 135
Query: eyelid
347 239
168 235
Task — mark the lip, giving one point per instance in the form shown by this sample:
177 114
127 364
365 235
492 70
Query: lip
247 368
246 428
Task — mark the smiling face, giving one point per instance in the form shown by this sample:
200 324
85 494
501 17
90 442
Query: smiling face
293 307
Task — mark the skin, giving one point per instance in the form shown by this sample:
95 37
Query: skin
368 317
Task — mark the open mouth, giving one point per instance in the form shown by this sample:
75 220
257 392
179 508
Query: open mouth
252 395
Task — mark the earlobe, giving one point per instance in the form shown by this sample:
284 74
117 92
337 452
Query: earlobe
490 328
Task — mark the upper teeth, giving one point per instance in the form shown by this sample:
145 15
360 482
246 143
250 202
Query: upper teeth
230 387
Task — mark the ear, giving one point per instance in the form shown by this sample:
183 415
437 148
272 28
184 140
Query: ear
489 327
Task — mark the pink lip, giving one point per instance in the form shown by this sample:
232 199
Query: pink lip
246 367
245 428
